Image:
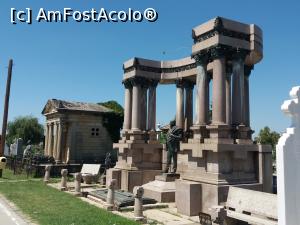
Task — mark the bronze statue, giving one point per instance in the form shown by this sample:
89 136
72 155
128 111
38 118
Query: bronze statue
174 136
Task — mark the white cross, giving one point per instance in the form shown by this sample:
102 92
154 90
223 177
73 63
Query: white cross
292 107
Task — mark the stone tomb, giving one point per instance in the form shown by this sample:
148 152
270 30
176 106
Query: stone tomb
219 151
75 133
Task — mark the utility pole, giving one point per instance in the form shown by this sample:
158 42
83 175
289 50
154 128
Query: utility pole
5 113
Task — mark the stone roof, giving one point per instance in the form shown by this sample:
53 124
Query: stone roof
55 105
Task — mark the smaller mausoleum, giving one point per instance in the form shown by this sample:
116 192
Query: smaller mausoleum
74 131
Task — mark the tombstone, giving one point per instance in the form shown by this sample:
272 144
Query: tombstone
110 199
6 150
19 147
13 149
47 173
138 192
288 164
64 178
78 177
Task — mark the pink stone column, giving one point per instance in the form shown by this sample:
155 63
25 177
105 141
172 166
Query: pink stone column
144 95
219 93
128 106
152 107
246 95
238 109
179 104
228 98
188 105
201 104
136 107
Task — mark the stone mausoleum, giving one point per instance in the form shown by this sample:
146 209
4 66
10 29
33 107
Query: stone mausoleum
74 132
219 151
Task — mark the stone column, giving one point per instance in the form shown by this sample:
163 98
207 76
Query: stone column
238 88
128 106
202 102
58 158
228 96
64 179
136 106
55 137
47 173
219 100
247 71
144 93
110 199
138 193
50 141
179 104
77 185
152 106
189 86
46 139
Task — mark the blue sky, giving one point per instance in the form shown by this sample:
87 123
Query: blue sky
83 61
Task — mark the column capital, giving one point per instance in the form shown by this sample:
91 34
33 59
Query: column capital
179 83
240 54
247 70
201 58
153 83
188 84
219 51
139 81
127 83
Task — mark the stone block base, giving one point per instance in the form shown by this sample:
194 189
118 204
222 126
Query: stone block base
128 179
194 197
162 189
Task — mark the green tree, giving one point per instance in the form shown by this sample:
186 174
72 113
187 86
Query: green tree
113 121
266 136
25 127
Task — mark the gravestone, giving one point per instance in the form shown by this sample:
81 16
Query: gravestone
288 164
16 149
6 150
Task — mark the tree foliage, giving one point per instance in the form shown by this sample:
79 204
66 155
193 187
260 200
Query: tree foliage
25 127
113 122
266 136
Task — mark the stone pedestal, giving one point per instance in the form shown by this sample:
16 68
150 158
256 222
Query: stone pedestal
208 169
162 189
138 163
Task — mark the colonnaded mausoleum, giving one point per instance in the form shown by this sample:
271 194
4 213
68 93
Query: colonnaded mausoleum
219 152
75 133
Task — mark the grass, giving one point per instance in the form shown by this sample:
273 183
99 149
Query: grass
8 175
48 206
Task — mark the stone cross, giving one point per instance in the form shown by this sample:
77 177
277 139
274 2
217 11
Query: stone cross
78 178
110 199
47 173
63 184
288 164
138 193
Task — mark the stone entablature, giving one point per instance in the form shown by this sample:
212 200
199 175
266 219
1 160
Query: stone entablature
74 131
219 33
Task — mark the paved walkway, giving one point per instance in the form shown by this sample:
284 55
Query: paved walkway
8 216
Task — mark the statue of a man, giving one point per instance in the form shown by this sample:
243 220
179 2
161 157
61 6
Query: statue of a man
174 136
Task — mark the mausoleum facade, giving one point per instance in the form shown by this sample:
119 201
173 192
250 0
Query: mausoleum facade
74 131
